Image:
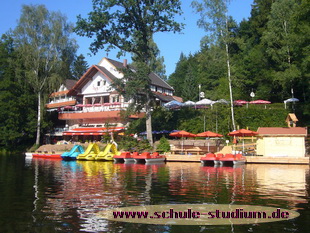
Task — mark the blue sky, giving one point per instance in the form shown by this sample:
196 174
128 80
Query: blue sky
171 45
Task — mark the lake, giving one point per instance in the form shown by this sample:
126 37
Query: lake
41 195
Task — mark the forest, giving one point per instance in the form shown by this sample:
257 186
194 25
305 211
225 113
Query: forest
268 54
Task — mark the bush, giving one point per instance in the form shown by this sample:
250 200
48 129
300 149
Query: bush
128 143
163 145
33 148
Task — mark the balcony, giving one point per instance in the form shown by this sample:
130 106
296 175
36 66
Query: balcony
61 103
103 111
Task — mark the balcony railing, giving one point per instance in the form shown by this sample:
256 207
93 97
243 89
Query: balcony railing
94 108
54 101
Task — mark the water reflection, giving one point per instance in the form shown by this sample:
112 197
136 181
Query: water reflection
70 194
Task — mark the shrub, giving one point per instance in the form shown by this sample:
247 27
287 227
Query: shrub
163 145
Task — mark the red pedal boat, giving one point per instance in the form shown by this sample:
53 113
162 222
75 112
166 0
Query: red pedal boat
211 159
234 159
46 155
123 157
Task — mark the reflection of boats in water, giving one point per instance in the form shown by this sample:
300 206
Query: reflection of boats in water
93 168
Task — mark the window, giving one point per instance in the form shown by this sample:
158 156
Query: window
115 98
98 84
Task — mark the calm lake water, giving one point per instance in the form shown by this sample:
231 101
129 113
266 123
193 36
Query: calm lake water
40 195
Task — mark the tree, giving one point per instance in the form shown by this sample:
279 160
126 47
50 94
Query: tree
281 42
216 10
129 26
80 66
17 116
42 37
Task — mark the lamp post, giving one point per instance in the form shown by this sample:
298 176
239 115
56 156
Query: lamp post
199 88
252 94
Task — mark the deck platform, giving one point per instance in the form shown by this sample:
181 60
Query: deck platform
249 159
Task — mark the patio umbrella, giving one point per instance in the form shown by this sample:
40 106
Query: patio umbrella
260 102
209 134
205 102
290 100
241 102
68 107
173 104
243 133
164 131
182 134
189 103
222 101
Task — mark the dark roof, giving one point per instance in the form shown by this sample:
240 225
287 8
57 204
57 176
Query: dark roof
117 64
167 98
292 131
155 79
69 83
104 70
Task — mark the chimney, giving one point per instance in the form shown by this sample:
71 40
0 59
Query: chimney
125 63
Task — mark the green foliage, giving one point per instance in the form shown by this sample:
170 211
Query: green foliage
130 26
217 118
80 66
163 145
45 49
17 115
128 143
269 54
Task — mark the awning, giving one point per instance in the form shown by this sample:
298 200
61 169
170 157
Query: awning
92 131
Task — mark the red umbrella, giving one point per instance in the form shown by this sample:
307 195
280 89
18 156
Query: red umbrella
243 133
68 107
240 102
182 134
209 134
260 102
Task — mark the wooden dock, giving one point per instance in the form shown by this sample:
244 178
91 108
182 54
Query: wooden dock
249 159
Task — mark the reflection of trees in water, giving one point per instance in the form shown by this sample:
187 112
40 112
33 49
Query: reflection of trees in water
75 192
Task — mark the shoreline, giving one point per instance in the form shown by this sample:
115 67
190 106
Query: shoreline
249 159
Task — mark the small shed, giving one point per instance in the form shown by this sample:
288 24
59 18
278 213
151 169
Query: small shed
281 141
291 120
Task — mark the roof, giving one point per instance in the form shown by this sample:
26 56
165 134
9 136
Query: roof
167 98
282 131
291 117
155 79
69 83
88 75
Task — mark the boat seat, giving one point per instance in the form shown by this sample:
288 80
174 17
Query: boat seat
135 153
155 154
